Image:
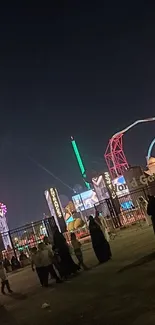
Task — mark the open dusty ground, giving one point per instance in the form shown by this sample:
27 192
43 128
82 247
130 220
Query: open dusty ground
119 292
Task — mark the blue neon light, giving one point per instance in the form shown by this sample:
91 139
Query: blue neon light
150 149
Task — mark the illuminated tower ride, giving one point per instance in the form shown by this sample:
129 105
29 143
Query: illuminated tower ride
4 229
114 155
80 162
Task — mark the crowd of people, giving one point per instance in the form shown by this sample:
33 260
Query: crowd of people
15 263
6 266
55 260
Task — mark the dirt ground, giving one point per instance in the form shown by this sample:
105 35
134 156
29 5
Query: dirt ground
118 292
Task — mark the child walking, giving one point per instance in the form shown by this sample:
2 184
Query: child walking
77 250
4 279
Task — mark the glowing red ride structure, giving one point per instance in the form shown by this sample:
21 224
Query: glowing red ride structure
114 154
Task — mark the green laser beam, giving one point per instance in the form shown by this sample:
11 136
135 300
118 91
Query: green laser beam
81 165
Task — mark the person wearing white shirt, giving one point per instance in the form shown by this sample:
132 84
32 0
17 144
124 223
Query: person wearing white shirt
36 264
43 260
48 248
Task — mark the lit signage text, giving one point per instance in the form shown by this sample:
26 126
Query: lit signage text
109 185
55 202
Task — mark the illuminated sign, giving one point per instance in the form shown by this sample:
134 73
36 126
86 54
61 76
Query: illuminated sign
143 179
109 185
100 187
56 202
120 186
49 202
112 193
55 208
85 200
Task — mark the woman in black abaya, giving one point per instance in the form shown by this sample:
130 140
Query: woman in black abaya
67 264
100 245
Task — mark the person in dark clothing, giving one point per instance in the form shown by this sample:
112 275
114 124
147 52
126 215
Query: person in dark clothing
151 209
59 264
68 265
100 245
15 264
6 264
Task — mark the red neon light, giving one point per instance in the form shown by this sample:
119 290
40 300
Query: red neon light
115 157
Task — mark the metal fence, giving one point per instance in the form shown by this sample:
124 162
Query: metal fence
28 236
132 210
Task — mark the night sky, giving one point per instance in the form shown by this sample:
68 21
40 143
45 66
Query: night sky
83 70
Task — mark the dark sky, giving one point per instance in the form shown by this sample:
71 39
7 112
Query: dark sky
83 70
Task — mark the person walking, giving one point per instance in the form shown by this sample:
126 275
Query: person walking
67 263
100 221
37 264
59 264
151 209
7 264
52 267
143 206
77 250
4 279
100 245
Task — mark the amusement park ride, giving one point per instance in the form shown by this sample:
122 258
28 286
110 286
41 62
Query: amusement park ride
4 226
114 155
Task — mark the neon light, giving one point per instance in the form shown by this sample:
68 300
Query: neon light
150 149
150 119
79 160
3 209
